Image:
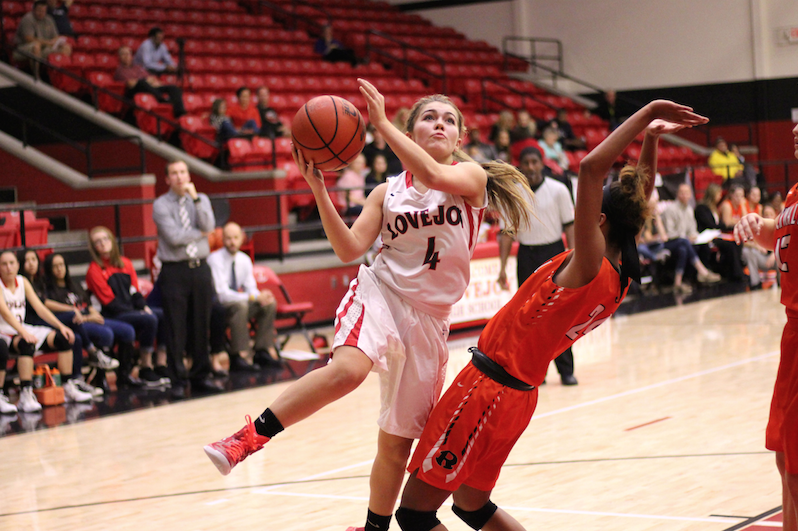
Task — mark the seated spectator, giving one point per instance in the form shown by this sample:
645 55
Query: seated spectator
679 222
727 254
753 198
525 128
733 207
225 130
353 178
238 300
378 173
244 115
333 50
651 241
114 282
723 162
137 80
38 36
270 124
31 270
568 139
60 12
502 146
552 149
70 304
16 294
380 147
506 121
757 258
153 54
486 152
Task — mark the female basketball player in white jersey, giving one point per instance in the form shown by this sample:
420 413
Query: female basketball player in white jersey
394 319
24 339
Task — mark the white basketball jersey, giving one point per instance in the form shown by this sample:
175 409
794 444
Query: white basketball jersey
16 302
427 243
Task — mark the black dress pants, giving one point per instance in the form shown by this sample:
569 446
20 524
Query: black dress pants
165 94
187 294
530 257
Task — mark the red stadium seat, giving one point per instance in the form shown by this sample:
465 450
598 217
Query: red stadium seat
61 79
148 121
106 102
105 62
193 103
195 146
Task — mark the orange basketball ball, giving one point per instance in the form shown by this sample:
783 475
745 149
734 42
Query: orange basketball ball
330 131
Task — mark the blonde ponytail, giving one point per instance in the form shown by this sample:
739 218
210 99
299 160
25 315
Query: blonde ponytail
506 187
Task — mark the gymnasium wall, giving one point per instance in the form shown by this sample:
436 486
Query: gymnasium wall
638 44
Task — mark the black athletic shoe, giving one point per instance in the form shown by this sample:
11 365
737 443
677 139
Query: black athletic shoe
569 380
152 379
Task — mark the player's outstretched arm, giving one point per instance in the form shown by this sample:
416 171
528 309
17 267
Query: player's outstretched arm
467 179
349 244
648 153
589 243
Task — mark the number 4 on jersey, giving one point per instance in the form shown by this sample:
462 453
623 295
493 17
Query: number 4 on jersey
588 325
432 254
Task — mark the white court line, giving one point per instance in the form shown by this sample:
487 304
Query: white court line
316 476
656 385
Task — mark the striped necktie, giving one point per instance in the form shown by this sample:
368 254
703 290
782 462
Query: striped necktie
191 247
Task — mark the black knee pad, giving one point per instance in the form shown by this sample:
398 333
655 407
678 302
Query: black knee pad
25 349
476 519
60 342
410 520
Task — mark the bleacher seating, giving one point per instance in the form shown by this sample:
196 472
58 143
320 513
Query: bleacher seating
226 47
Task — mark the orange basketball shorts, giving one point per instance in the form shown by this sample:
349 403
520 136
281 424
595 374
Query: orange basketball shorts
471 431
782 430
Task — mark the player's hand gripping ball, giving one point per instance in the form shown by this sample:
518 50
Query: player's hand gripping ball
330 131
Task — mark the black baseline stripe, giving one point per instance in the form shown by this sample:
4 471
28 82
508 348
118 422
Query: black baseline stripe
754 519
177 494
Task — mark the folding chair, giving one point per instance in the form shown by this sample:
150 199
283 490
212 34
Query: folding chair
290 316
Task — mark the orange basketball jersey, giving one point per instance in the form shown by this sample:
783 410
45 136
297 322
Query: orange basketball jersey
787 252
543 319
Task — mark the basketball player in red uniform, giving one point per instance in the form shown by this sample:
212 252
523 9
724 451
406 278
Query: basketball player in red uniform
478 420
781 435
395 318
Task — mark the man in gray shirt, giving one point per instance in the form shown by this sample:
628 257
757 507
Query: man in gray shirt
184 218
37 35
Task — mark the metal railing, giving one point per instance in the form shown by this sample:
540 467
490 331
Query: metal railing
534 58
117 205
162 123
293 20
407 63
487 97
86 149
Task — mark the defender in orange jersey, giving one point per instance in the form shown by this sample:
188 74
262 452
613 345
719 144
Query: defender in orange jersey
475 425
781 435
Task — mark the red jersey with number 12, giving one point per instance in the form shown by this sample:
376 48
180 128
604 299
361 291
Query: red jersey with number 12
543 319
427 242
787 252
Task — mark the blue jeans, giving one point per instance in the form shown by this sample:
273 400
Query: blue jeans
147 326
682 249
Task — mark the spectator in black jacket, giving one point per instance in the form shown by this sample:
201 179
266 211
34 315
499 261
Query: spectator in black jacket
727 259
